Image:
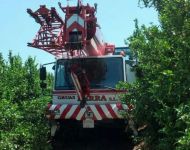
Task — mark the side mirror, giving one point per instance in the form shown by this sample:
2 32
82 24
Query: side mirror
53 67
42 73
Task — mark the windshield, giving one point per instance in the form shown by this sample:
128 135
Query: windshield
101 72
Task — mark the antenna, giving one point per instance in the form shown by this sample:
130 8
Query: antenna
79 2
67 2
96 6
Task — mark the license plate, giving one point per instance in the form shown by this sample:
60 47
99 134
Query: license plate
88 123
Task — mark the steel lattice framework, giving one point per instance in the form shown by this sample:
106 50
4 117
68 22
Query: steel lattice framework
75 35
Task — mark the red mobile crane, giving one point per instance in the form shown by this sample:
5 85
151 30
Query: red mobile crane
86 69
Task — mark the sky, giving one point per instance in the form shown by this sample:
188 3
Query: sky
116 19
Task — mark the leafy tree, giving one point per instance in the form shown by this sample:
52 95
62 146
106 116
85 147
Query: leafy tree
22 106
23 127
161 94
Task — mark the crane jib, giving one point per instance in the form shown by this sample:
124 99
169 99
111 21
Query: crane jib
75 35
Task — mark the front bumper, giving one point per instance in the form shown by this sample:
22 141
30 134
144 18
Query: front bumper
75 112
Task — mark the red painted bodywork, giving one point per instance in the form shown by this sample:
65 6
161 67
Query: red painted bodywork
55 33
76 35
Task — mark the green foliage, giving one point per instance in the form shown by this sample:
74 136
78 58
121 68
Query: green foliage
20 81
183 113
162 92
23 127
22 121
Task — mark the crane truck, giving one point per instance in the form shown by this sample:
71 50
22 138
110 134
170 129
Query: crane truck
87 69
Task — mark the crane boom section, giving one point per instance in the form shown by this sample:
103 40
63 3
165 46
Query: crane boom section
77 35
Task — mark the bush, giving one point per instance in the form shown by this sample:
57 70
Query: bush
23 125
161 94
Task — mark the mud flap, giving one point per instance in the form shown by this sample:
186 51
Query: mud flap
54 127
131 125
